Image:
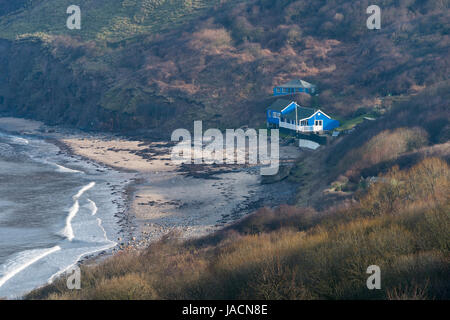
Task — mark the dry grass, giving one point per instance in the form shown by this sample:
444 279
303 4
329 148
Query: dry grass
386 145
295 253
211 40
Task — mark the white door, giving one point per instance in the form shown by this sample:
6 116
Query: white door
318 125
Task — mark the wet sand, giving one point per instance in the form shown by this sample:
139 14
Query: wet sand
164 197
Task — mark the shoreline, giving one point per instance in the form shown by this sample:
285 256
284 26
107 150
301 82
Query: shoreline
112 193
190 200
149 162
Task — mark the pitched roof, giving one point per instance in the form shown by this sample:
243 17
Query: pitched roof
280 104
297 84
302 113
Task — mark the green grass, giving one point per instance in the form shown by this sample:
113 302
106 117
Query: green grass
110 21
347 124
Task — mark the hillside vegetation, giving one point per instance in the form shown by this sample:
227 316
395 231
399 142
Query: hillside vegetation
416 128
376 196
108 20
160 64
398 221
400 224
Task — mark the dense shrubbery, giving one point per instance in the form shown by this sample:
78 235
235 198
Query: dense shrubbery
206 58
385 146
400 136
425 183
401 224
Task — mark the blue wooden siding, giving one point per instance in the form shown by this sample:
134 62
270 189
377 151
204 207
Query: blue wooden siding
328 123
271 118
275 120
278 91
331 124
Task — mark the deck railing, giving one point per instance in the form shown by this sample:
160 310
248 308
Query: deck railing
299 128
307 128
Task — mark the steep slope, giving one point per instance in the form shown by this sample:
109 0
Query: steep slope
159 64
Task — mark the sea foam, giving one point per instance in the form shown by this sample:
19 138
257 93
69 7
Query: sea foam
23 260
19 141
68 230
93 206
66 170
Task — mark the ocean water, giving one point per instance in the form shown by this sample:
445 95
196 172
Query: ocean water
54 209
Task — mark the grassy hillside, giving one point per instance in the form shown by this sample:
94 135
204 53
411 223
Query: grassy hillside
161 64
101 20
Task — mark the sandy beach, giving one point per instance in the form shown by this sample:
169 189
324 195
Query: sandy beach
190 201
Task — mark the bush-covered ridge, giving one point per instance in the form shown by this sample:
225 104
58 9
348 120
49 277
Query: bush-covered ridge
215 60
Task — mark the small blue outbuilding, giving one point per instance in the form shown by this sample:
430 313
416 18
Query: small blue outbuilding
293 87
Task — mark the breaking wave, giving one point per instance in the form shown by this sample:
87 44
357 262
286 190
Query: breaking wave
23 260
93 206
66 170
68 230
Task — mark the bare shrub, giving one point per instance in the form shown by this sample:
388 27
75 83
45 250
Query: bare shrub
413 292
295 253
211 39
425 184
386 145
